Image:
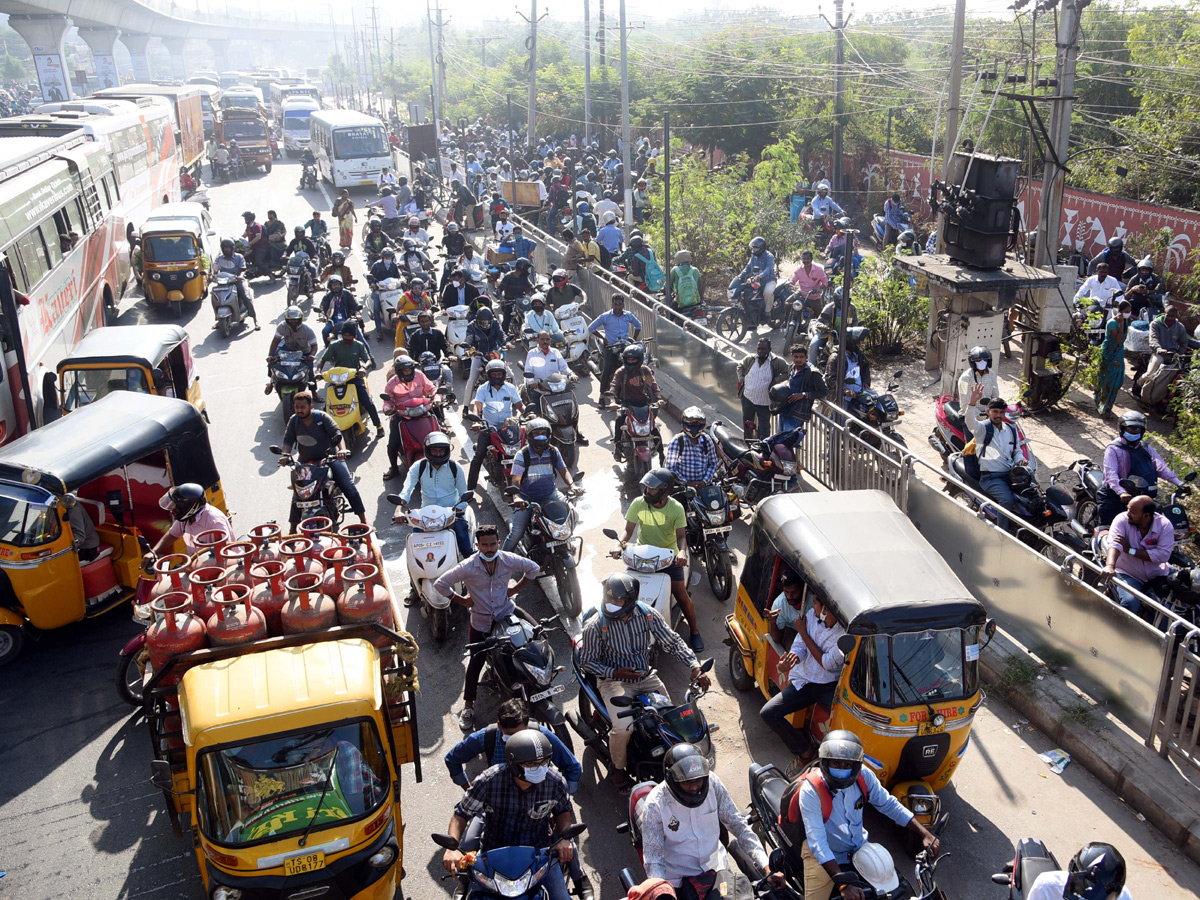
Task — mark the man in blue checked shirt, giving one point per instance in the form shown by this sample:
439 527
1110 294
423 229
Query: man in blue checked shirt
692 456
513 716
616 326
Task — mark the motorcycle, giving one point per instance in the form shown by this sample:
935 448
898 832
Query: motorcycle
308 177
767 787
1156 389
1039 510
710 518
131 667
289 373
342 403
509 872
224 172
314 492
1173 509
273 270
506 443
227 305
520 663
950 430
637 439
324 251
416 424
756 469
879 411
879 228
299 278
439 375
557 405
748 309
1031 860
430 551
574 336
551 542
658 722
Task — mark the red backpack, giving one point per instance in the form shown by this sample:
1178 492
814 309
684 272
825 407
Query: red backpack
791 797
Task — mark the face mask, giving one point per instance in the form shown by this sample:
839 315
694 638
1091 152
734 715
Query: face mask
1132 438
612 609
457 283
486 558
841 773
981 365
536 775
504 738
1126 315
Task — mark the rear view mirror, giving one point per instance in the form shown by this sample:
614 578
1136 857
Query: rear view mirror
276 449
620 701
445 841
846 644
610 533
1191 476
160 775
898 373
989 631
394 499
573 830
706 666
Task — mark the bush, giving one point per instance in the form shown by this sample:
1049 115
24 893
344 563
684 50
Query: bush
889 306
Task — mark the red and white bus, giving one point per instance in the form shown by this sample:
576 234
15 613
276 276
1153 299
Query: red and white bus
61 235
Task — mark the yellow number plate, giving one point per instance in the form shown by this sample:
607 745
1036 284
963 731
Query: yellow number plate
927 728
299 865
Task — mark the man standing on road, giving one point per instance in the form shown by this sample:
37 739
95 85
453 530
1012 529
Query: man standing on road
616 326
315 435
756 373
489 597
1141 541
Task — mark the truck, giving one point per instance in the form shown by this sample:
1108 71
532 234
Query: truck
285 757
188 106
247 126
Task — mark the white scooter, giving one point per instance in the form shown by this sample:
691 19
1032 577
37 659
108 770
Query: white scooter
390 290
649 566
456 336
575 333
431 550
227 305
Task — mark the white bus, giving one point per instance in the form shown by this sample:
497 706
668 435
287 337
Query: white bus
351 148
294 123
281 92
242 95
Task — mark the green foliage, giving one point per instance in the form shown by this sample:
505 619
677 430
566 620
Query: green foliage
14 69
889 306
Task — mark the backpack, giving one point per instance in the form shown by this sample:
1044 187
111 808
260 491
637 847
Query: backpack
789 805
490 736
653 277
687 291
424 467
971 459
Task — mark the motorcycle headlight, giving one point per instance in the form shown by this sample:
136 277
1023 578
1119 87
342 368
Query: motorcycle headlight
549 415
541 675
339 379
513 887
716 518
641 429
798 305
893 416
305 491
512 449
485 880
559 532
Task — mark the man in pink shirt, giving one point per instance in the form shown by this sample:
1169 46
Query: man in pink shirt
810 277
193 515
407 388
1141 541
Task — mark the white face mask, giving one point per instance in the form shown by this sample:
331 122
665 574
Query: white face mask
612 609
981 365
536 774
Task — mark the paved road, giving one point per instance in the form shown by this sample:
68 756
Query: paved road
78 818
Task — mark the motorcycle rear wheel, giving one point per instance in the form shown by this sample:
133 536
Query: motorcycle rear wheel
719 564
570 455
732 324
439 623
293 293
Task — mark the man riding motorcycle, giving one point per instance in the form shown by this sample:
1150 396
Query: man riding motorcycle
495 401
1118 259
337 306
301 244
352 353
617 647
442 482
235 263
761 267
517 283
1129 456
376 240
316 435
294 335
408 387
633 385
191 515
692 455
533 472
978 371
1145 288
414 261
385 267
823 206
539 318
337 266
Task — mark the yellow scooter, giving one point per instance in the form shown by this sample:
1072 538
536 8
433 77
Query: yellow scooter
342 402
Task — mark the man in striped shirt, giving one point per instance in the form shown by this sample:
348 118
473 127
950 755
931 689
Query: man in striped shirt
616 649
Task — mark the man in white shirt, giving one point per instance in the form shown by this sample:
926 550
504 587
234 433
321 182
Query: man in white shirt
1101 287
503 228
1096 872
606 205
811 668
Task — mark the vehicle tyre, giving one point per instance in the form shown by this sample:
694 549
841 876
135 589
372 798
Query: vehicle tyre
129 679
175 308
563 733
110 314
293 293
439 623
12 642
570 455
223 325
789 336
719 563
732 324
267 167
567 582
1087 514
742 680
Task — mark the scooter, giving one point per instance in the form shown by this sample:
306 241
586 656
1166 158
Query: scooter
314 492
308 177
390 291
227 305
430 551
710 518
509 872
439 375
342 403
456 337
520 663
1156 389
880 411
759 468
289 372
658 722
557 405
648 565
551 542
950 428
575 336
879 228
299 277
506 443
224 172
416 424
1031 860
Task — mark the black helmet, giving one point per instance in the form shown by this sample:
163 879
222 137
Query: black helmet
376 224
527 747
844 222
427 358
758 246
657 484
338 257
1096 872
620 590
409 245
183 501
227 244
485 313
978 353
780 392
406 368
856 334
684 762
298 230
634 356
416 283
840 751
522 265
636 242
1115 244
437 448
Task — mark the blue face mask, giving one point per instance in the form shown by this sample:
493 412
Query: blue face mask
841 773
1132 438
536 774
486 558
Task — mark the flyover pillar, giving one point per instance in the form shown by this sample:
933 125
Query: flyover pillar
44 35
220 52
175 47
136 42
101 40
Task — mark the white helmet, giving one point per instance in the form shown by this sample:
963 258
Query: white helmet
610 216
875 865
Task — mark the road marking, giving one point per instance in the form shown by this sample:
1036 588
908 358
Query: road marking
325 194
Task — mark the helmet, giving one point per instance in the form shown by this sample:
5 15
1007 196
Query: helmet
1116 244
452 227
298 230
528 747
437 448
1146 263
293 314
70 501
386 192
183 501
610 216
406 368
780 392
683 256
822 186
409 245
227 244
874 864
684 762
612 154
840 753
907 237
496 366
427 358
537 432
1096 872
844 222
980 353
582 207
758 245
608 195
636 242
656 484
856 334
334 279
416 283
413 220
485 313
376 224
559 276
338 257
620 590
522 265
1133 421
388 251
634 356
694 420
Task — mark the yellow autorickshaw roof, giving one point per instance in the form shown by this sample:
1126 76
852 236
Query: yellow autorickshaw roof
293 687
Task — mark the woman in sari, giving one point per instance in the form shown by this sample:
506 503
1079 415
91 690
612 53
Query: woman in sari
1111 374
344 212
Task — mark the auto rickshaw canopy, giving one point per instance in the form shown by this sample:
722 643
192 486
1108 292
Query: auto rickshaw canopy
118 429
292 687
130 345
868 562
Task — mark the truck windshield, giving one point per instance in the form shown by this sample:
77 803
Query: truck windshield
246 100
297 122
83 386
910 669
272 788
359 142
28 516
245 128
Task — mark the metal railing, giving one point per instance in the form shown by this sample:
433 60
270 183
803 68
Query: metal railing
1176 722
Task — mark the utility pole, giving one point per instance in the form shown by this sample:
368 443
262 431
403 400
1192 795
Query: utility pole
625 136
531 127
667 199
839 87
1060 132
433 79
954 109
587 73
441 56
600 37
378 53
483 42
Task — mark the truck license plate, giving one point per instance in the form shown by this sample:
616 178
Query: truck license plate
542 695
309 862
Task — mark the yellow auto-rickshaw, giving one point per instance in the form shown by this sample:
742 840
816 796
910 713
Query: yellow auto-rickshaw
147 359
118 456
174 261
910 684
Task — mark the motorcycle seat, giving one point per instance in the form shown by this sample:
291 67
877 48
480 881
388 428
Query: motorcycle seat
731 446
772 790
954 416
1093 479
960 471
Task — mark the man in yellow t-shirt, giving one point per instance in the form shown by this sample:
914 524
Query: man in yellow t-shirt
661 521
